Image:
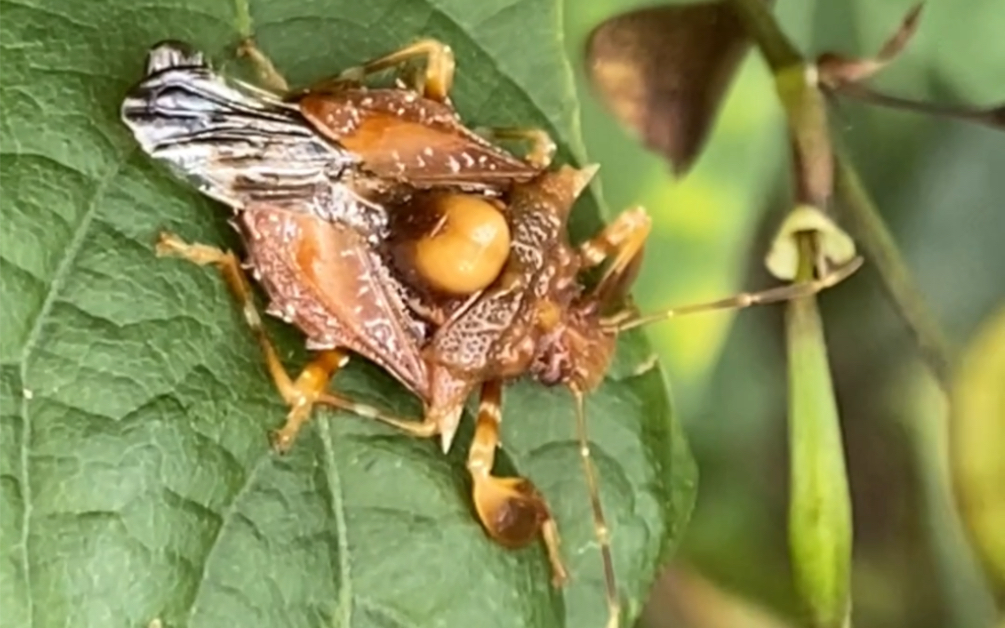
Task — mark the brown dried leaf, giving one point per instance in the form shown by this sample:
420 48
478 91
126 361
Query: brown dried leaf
663 71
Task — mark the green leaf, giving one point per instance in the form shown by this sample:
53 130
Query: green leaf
137 482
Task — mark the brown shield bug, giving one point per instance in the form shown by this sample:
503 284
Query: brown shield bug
313 231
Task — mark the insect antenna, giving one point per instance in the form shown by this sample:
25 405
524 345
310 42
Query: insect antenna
625 320
600 528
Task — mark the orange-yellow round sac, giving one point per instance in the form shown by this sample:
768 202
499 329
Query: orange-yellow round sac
466 249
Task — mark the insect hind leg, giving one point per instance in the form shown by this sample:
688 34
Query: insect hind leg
300 394
511 509
621 243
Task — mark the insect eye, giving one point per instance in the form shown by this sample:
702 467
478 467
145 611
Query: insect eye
464 244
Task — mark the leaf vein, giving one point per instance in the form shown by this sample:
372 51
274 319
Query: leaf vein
345 599
229 511
55 287
387 612
242 19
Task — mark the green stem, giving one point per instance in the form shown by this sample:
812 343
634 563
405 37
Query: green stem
871 233
777 49
805 107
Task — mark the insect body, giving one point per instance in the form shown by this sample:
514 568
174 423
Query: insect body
316 226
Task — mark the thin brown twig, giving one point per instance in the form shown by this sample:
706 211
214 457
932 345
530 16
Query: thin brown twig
993 117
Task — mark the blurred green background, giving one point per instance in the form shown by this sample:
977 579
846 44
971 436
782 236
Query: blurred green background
940 186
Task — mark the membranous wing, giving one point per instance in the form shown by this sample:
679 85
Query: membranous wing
235 143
